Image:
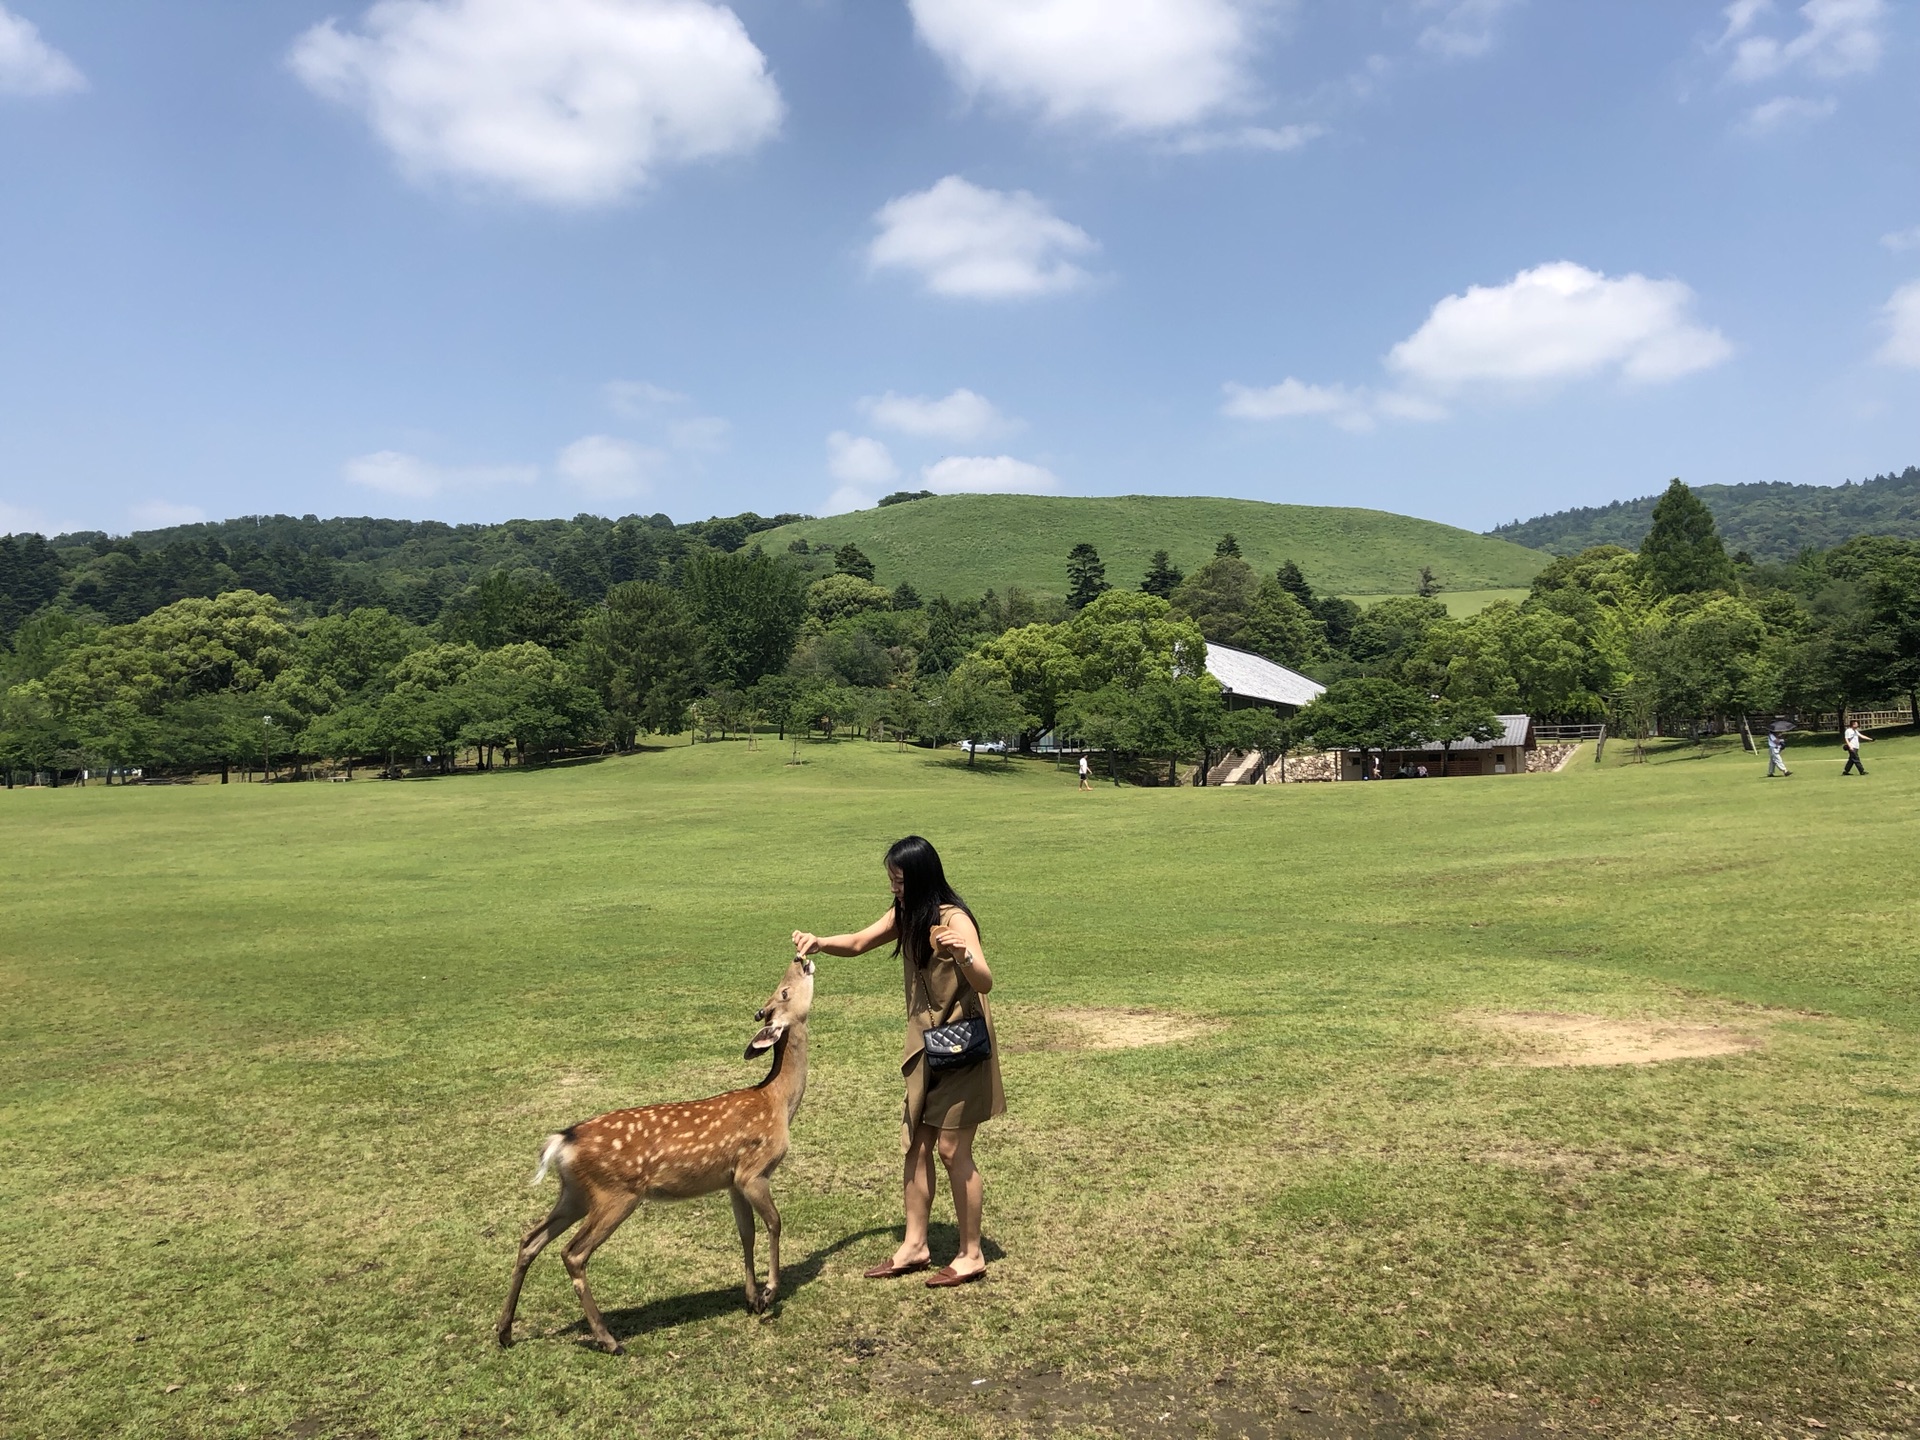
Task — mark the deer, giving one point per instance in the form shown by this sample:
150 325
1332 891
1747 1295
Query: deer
677 1151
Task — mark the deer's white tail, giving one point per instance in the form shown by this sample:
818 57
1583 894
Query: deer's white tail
555 1144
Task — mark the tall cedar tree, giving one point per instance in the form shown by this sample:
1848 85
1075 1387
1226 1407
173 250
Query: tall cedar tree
1163 576
1295 583
1229 545
849 559
1086 576
1682 552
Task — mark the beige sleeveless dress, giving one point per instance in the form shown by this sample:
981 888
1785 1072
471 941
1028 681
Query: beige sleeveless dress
939 995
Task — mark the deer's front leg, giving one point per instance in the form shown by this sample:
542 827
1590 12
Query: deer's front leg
759 1194
743 1222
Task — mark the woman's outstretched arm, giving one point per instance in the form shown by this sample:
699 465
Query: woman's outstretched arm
878 933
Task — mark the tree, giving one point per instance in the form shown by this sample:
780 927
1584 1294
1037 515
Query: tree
946 644
640 650
1429 585
1392 630
1228 546
1710 659
356 650
512 607
525 696
1163 576
1295 583
1218 596
842 595
750 605
1454 720
978 705
850 559
905 597
1086 576
1365 714
1279 627
1682 552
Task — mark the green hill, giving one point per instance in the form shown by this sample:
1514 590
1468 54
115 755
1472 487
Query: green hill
966 544
1769 521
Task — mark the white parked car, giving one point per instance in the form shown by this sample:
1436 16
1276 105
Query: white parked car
983 747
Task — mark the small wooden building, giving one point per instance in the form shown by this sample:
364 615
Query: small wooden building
1504 754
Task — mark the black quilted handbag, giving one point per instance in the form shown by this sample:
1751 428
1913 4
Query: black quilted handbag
956 1046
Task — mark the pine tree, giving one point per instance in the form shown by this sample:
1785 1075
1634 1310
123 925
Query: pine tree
1682 552
1229 545
849 559
1163 576
1086 576
1295 583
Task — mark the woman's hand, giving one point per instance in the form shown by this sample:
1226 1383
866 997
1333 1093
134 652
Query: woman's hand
949 942
805 944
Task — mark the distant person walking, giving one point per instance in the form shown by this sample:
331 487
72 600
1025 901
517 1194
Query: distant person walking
1776 762
1851 738
1086 774
947 983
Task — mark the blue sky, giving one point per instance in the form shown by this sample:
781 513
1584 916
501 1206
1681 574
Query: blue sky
471 259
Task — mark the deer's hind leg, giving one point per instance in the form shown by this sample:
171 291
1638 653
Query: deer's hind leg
604 1216
566 1211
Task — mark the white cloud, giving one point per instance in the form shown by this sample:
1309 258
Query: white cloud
972 243
1559 322
1465 31
962 415
1246 137
700 432
1901 314
607 468
161 514
988 475
1293 398
1837 38
639 399
1900 240
570 102
1128 65
30 66
20 520
859 461
408 476
1356 410
1785 110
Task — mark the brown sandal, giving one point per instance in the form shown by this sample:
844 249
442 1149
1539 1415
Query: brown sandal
948 1278
891 1271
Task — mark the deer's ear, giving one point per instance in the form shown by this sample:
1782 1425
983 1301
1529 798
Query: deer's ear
764 1040
806 967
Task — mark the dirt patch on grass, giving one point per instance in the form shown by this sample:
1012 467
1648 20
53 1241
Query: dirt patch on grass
1121 1405
1096 1029
1549 1039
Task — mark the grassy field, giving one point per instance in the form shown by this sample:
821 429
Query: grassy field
277 1061
962 545
1460 603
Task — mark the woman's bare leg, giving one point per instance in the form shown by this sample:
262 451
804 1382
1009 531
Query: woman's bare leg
956 1153
918 1186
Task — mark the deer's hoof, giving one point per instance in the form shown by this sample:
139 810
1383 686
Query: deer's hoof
613 1347
504 1338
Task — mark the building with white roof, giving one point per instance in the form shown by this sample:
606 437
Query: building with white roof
1247 680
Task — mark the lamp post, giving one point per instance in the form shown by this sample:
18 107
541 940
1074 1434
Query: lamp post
266 748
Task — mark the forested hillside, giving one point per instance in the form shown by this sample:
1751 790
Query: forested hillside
1770 522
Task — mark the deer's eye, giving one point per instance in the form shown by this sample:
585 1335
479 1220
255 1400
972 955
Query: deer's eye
783 994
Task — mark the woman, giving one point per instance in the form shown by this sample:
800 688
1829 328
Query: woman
947 979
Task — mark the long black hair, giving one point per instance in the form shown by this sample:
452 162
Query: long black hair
923 892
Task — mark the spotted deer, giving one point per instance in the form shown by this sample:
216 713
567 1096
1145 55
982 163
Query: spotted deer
732 1142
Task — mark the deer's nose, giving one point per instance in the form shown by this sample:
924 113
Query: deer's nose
762 1013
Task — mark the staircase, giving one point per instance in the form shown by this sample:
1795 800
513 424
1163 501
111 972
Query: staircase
1238 767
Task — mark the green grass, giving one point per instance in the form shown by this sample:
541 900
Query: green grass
1460 603
962 545
275 1063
